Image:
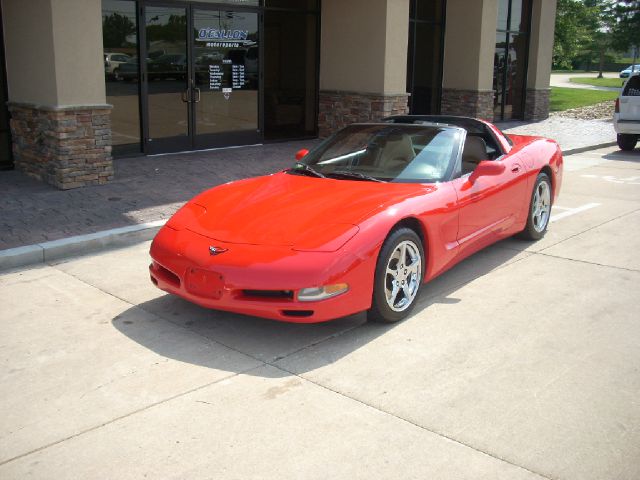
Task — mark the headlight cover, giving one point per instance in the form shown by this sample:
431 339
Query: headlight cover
314 294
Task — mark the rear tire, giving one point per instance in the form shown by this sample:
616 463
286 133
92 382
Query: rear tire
627 142
539 209
398 277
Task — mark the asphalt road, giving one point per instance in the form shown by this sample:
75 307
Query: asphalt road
520 363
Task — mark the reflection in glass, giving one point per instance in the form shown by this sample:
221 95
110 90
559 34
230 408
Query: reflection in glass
226 64
427 10
520 11
509 67
503 14
424 56
166 63
120 45
293 4
290 74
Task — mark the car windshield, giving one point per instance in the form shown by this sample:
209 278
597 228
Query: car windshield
389 153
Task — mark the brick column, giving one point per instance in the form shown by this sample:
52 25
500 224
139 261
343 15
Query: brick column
66 147
467 103
339 109
55 77
469 46
363 61
543 15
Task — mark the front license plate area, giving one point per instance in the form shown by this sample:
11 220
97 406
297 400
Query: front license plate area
204 283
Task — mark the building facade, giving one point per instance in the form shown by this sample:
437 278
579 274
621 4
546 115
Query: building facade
87 80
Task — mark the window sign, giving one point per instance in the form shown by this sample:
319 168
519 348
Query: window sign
228 54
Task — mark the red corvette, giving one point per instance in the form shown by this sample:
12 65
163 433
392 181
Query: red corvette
360 222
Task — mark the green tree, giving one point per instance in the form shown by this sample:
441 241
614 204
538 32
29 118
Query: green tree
575 27
115 30
626 24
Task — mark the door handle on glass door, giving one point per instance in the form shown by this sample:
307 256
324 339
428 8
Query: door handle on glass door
197 99
186 94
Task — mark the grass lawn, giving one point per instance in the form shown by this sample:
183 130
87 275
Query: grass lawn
566 98
599 82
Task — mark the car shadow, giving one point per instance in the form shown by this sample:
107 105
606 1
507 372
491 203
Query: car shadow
223 341
624 157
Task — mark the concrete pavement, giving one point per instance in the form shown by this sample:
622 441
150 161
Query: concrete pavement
520 363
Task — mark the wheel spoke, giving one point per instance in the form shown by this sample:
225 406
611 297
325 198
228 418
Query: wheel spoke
401 284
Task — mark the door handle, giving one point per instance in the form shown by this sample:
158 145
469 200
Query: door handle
197 99
185 95
515 169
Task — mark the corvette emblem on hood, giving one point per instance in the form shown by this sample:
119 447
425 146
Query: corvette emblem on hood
217 250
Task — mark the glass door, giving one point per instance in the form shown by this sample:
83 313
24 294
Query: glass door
225 79
200 77
165 75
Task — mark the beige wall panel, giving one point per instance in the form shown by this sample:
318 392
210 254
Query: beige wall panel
364 46
29 52
469 45
352 49
397 43
77 35
543 21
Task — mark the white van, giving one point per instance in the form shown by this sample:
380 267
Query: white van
626 119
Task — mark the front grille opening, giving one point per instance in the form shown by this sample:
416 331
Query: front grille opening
168 276
277 294
297 313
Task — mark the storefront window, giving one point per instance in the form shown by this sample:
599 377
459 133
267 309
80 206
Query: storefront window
189 92
290 80
424 58
121 71
510 59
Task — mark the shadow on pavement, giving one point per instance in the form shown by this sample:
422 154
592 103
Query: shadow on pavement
269 341
622 156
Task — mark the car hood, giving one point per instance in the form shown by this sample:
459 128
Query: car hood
307 213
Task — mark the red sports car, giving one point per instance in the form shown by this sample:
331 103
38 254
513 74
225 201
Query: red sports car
360 222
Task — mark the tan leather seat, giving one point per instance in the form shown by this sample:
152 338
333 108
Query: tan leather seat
475 150
397 153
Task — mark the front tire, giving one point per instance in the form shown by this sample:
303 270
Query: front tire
539 209
398 277
627 142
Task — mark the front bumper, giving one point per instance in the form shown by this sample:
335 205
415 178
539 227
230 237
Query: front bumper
236 280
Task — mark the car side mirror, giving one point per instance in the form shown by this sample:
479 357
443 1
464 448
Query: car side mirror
487 168
301 154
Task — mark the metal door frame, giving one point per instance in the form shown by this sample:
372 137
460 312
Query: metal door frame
192 141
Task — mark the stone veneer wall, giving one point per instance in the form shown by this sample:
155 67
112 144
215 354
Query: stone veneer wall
468 103
536 106
67 147
338 109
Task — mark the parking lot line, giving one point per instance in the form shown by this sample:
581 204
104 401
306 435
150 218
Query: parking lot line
571 211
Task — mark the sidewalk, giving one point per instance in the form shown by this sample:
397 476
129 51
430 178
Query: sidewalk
151 189
562 80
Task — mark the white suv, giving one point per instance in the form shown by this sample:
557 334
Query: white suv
626 119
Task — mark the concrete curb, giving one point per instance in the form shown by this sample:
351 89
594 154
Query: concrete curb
78 245
573 151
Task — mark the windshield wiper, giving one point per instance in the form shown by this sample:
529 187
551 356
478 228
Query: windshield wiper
358 175
303 168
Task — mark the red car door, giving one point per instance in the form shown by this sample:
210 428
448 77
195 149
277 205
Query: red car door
493 205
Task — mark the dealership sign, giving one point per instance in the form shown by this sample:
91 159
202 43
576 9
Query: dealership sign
208 33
